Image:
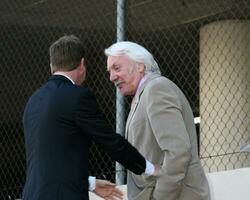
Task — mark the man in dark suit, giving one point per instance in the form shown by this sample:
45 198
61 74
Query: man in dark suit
60 120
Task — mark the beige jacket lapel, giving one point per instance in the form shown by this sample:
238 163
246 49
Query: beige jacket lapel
136 100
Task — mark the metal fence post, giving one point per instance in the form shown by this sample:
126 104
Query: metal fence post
120 110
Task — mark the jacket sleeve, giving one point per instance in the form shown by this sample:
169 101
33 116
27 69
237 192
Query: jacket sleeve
90 121
164 113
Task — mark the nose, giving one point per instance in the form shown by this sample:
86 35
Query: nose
112 76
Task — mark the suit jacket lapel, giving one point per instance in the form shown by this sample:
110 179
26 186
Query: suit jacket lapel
136 100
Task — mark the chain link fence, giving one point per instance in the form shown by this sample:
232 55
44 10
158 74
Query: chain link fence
202 45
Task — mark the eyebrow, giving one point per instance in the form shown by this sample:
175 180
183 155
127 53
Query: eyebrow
114 65
108 68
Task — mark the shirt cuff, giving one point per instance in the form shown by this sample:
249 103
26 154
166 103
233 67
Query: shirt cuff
92 182
150 168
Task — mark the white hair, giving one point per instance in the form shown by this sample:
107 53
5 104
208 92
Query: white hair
136 53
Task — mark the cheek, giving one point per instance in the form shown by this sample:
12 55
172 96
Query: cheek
127 77
122 77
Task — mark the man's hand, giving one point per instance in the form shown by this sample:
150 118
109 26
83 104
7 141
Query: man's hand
107 190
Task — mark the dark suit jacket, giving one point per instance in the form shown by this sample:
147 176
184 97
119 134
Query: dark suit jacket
60 120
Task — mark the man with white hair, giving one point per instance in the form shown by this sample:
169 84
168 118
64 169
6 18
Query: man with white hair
60 121
160 125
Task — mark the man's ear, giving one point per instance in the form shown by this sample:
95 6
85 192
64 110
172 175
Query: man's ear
51 70
82 65
141 67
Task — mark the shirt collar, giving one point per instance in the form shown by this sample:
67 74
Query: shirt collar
58 73
144 78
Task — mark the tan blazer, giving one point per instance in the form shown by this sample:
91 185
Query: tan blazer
161 126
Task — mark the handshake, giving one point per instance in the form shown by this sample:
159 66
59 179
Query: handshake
110 191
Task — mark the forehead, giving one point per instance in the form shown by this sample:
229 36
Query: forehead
117 60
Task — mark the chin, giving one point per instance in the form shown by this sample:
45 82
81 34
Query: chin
126 93
123 92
